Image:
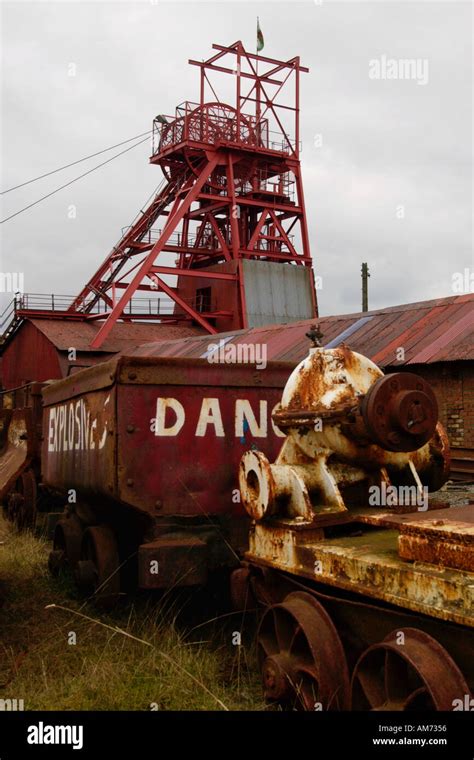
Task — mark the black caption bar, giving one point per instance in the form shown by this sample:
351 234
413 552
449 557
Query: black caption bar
89 734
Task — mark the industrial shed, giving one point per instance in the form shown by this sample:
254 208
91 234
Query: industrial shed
40 349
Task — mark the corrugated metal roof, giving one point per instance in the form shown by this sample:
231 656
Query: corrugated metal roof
428 331
124 335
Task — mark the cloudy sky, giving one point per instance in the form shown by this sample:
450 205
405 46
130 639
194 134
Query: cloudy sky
391 183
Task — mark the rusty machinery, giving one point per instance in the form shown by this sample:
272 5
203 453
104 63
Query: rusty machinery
344 583
20 436
367 606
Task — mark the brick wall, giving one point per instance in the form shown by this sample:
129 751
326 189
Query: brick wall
453 384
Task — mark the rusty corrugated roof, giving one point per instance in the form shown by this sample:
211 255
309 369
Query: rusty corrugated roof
429 331
124 336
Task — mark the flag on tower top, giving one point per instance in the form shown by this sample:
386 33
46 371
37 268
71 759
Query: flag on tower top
260 41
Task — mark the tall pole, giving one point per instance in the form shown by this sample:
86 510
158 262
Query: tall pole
297 109
365 287
257 86
255 179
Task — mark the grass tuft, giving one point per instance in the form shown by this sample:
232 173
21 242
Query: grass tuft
159 663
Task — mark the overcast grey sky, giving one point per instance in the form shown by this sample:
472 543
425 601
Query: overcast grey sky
391 183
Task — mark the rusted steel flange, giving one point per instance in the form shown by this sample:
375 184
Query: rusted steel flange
400 412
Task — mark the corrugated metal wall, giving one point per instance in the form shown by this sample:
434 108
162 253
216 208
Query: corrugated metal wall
276 293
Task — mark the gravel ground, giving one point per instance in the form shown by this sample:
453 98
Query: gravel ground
456 493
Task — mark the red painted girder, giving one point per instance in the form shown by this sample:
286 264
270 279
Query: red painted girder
39 313
215 227
191 250
242 200
259 58
131 316
175 217
273 254
225 70
194 273
194 314
203 210
134 232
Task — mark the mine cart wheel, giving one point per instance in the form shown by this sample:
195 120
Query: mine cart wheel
301 657
407 672
97 571
21 506
242 597
66 551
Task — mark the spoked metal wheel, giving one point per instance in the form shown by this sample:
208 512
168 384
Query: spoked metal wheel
97 572
408 670
301 657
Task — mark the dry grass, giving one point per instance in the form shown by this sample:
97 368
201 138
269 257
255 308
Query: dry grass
158 662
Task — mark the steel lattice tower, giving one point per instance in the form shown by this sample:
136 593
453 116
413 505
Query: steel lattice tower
231 206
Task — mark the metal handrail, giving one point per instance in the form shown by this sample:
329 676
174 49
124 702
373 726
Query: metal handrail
195 123
162 305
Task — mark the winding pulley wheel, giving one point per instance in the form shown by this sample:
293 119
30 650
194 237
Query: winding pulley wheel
209 124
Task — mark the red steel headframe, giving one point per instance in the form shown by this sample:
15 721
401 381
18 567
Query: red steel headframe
232 190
